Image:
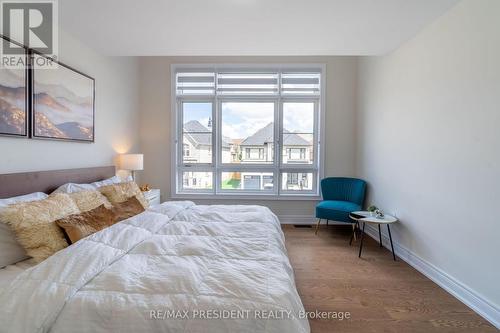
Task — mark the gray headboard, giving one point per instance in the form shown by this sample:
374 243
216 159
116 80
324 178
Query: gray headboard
14 184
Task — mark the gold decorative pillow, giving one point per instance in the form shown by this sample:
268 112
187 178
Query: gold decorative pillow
34 224
88 200
127 209
81 225
121 192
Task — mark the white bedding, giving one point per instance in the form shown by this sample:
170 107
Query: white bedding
10 272
176 259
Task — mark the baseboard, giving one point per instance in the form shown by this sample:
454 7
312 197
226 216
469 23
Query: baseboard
304 219
297 219
477 303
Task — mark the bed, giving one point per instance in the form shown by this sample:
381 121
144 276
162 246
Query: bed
177 267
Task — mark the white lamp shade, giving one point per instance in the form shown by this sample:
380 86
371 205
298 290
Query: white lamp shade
131 162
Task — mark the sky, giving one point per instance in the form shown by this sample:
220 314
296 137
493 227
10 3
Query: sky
242 119
201 112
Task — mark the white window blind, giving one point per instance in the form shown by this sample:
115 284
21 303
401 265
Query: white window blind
300 83
247 83
204 83
195 83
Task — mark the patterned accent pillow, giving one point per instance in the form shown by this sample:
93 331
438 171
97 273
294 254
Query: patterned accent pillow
88 200
121 192
127 209
81 225
34 224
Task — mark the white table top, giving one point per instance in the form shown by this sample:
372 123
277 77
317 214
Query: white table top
373 219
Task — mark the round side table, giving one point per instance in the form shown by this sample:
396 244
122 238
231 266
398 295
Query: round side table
365 217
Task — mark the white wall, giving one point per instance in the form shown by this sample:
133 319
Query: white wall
155 120
429 143
116 122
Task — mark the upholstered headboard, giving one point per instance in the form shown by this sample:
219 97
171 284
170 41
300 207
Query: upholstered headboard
14 184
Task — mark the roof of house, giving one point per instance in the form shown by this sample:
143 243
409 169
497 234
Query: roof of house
195 126
265 135
200 134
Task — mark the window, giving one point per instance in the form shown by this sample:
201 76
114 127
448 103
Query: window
197 180
254 154
297 181
185 150
292 179
244 130
298 154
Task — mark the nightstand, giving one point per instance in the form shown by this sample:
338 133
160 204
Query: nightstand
152 196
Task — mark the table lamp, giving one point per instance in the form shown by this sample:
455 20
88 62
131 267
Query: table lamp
131 162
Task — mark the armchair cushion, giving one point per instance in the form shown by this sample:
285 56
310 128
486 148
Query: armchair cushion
336 210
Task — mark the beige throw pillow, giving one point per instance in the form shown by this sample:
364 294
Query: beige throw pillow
88 200
34 224
121 192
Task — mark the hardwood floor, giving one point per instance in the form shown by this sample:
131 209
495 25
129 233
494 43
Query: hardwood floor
381 295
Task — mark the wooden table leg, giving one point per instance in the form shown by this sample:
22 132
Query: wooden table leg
390 238
362 236
379 235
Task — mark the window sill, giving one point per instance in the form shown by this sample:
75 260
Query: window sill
238 196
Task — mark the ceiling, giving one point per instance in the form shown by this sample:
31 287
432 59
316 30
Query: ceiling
247 27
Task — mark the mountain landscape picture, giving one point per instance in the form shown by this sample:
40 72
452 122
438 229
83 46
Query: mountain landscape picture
13 115
63 102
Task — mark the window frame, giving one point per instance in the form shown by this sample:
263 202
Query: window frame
277 167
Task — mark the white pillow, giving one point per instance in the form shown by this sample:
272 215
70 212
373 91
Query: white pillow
10 250
73 187
109 181
23 198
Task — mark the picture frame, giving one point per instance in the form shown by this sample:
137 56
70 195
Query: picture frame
14 97
62 102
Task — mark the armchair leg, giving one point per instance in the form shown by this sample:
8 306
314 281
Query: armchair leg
317 226
354 231
327 222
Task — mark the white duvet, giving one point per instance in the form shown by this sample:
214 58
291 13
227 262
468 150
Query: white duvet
177 267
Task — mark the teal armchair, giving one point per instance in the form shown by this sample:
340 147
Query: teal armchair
341 196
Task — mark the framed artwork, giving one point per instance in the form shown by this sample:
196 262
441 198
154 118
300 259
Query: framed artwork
63 103
14 114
